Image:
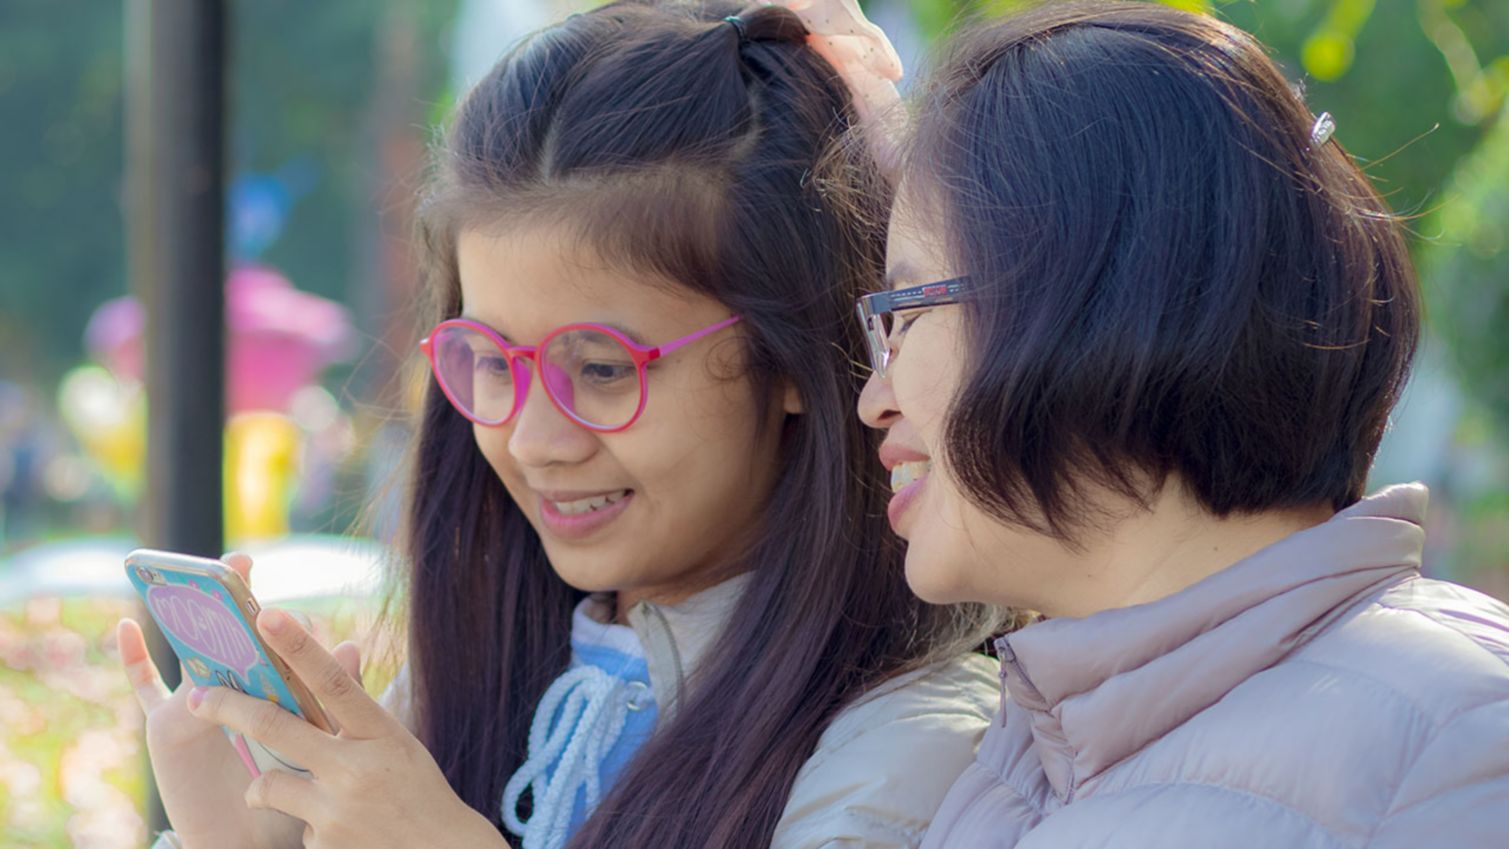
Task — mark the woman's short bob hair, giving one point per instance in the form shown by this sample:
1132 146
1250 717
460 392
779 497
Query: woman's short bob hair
1172 276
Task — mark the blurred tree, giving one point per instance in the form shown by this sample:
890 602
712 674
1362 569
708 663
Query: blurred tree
1401 77
1414 85
1418 90
60 231
1468 268
303 77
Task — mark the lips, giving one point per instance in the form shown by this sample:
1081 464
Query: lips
909 470
576 516
905 495
587 504
893 454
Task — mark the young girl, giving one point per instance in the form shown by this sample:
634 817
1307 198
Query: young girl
1149 323
650 603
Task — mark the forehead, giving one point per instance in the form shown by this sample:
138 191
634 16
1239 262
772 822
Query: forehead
915 248
527 280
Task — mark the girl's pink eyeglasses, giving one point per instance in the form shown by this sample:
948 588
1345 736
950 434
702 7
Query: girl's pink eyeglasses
593 374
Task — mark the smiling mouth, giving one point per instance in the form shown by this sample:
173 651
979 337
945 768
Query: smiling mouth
592 504
906 473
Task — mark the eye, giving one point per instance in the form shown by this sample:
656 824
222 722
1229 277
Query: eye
904 322
491 365
606 374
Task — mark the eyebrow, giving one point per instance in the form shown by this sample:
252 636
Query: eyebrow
470 317
633 337
900 276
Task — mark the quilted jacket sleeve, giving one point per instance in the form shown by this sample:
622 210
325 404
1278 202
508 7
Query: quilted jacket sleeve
884 765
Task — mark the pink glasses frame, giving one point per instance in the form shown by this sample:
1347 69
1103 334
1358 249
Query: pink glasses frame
642 355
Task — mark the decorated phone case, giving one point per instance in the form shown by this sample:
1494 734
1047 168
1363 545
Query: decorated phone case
207 614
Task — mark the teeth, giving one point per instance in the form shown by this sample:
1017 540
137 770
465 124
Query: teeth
909 472
587 505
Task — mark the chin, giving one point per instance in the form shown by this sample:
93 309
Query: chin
586 573
933 580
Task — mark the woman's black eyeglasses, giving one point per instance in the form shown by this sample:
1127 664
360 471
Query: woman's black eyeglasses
880 312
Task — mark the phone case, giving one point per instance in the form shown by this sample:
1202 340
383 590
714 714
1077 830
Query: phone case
207 616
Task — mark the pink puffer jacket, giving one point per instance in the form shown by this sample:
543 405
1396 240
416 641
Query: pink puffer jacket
1320 693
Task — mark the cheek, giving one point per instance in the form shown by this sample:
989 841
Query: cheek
925 379
708 459
941 559
649 460
492 443
698 460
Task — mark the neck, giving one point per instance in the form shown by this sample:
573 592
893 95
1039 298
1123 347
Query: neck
1159 552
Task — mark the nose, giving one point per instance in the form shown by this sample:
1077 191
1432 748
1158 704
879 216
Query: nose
877 403
542 435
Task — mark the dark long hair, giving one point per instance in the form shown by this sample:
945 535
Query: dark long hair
1173 277
674 143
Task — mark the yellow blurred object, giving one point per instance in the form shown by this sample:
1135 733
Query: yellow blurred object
1327 55
109 419
261 465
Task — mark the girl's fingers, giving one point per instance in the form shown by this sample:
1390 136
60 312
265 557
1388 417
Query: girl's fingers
145 680
240 563
349 656
285 792
332 684
263 721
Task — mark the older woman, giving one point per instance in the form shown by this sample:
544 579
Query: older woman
1146 327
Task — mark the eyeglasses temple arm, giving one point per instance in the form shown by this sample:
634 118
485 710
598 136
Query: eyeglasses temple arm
687 340
926 295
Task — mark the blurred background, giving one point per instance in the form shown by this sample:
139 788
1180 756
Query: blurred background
330 109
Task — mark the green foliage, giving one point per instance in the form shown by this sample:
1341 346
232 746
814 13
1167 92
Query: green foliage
60 214
1328 52
303 81
1466 270
1417 86
1414 86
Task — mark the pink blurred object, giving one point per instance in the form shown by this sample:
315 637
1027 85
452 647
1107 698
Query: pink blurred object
280 338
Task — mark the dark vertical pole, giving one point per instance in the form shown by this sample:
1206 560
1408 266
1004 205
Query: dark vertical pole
386 290
178 264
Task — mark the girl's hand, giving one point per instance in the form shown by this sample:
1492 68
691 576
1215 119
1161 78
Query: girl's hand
201 780
374 785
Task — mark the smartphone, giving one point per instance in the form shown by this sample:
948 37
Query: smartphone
209 618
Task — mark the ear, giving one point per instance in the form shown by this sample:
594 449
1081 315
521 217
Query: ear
791 400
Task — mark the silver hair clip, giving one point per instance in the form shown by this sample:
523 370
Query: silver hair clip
1324 128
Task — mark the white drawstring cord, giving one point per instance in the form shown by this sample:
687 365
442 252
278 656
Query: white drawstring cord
593 706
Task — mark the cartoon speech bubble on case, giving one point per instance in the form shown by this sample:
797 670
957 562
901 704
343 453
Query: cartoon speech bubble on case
204 625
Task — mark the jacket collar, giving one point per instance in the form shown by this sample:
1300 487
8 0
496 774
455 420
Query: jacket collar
1099 689
676 637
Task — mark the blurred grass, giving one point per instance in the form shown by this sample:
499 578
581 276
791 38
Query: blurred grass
72 757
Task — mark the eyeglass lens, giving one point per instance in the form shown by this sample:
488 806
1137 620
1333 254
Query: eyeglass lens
590 374
878 335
